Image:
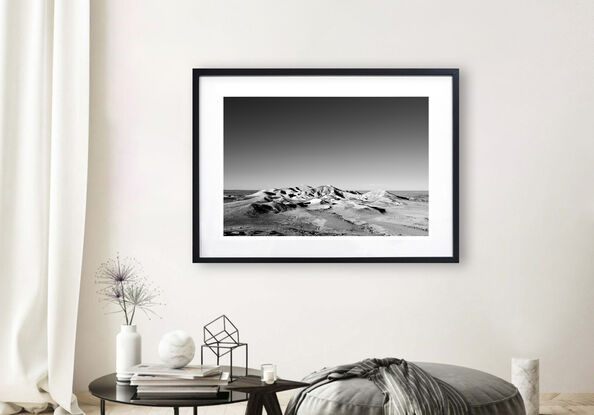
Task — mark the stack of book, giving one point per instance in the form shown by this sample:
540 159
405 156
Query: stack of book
159 383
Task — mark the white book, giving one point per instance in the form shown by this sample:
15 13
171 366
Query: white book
144 390
177 397
153 380
187 372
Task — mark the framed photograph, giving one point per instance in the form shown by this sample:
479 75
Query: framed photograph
325 165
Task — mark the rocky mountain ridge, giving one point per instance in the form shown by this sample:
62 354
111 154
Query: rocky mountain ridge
320 198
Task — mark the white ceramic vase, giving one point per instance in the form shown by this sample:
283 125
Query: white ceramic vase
128 351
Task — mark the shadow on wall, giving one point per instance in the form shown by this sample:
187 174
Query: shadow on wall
99 217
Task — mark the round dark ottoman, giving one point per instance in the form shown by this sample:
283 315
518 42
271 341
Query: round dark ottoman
485 394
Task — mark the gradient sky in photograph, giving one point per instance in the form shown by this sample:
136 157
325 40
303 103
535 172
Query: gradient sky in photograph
359 143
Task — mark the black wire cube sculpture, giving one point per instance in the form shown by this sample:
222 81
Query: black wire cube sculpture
221 337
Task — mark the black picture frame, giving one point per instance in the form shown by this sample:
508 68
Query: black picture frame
198 73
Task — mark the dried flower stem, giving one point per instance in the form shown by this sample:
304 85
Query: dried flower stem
124 285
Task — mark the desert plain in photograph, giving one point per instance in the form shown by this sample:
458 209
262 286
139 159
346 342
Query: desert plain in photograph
325 211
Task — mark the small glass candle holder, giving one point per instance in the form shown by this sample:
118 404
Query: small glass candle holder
268 373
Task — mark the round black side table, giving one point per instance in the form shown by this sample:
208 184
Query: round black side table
106 388
248 388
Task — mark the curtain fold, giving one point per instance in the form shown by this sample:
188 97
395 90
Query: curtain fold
44 90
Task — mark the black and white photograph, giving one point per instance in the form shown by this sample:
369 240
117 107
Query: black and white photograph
315 165
326 166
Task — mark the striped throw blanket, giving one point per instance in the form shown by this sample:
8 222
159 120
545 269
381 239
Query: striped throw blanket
408 389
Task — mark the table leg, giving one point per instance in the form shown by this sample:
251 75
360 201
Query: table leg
255 404
175 410
102 407
271 404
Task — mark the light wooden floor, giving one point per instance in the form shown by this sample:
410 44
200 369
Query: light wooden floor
550 403
567 403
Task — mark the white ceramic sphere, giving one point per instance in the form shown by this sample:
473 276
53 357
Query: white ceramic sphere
176 349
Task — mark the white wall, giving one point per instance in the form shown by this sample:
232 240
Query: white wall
525 284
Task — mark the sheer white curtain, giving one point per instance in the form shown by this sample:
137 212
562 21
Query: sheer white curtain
44 92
